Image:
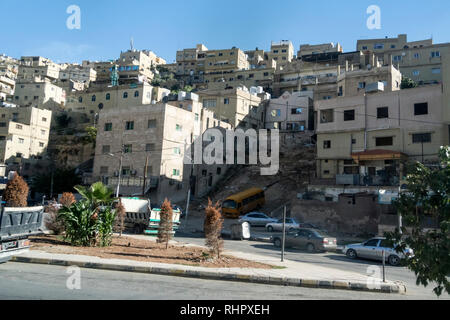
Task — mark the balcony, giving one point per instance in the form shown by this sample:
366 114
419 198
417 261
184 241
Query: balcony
128 181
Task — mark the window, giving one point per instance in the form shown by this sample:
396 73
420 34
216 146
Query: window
2 124
106 149
149 147
44 119
93 98
397 58
21 141
197 117
416 73
383 112
108 126
372 243
128 148
276 113
177 151
436 70
43 132
392 46
125 95
18 126
327 116
178 127
226 101
435 54
108 96
378 46
126 171
136 94
327 144
209 103
129 125
384 141
80 99
296 111
103 170
361 85
420 109
421 138
349 115
364 47
219 171
416 55
176 172
151 124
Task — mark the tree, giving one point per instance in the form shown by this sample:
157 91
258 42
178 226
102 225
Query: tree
97 194
427 196
407 83
91 135
213 228
63 180
121 212
16 192
166 223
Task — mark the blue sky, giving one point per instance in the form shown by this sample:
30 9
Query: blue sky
38 27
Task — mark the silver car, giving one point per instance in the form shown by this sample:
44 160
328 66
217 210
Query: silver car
291 225
373 249
257 219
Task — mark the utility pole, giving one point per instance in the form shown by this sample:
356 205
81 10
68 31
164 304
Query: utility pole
284 235
51 183
145 176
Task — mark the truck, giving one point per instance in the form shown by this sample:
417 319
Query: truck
16 226
143 218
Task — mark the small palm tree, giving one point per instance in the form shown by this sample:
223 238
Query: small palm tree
97 194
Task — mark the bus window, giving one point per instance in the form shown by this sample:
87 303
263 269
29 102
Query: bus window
229 204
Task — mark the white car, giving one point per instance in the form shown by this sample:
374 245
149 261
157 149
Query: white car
257 219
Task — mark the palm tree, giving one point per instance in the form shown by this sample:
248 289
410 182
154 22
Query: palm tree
97 194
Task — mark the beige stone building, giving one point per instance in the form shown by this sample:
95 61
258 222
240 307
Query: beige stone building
31 68
24 134
282 52
137 65
162 133
368 138
307 49
418 60
39 94
291 112
234 106
78 73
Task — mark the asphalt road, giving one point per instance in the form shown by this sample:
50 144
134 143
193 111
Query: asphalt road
330 260
19 281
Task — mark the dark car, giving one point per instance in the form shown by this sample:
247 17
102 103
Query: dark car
312 240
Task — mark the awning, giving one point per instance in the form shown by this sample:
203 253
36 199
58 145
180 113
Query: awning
378 154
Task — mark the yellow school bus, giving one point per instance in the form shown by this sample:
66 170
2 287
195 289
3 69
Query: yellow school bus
243 203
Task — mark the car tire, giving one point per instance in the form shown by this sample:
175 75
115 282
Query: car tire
351 254
277 242
270 229
310 248
394 260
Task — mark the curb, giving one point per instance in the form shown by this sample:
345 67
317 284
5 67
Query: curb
397 288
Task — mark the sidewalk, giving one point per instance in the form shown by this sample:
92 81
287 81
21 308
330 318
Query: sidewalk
289 273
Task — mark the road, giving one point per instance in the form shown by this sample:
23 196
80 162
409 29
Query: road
330 260
19 281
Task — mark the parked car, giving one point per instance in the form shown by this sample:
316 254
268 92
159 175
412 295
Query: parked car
373 249
291 224
312 240
257 219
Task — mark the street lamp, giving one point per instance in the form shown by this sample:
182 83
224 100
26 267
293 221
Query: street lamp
120 172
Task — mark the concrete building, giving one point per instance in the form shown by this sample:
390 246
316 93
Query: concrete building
31 68
256 77
226 60
78 73
234 106
307 49
291 112
282 52
39 94
162 133
24 134
367 139
419 60
99 97
137 66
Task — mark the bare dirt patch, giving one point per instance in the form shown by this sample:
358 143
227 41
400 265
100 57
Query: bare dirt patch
128 248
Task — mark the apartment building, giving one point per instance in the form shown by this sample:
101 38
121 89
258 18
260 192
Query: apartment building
24 133
282 52
100 97
226 60
308 49
235 106
292 112
31 68
367 139
255 77
418 60
137 65
39 94
8 75
78 73
154 141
